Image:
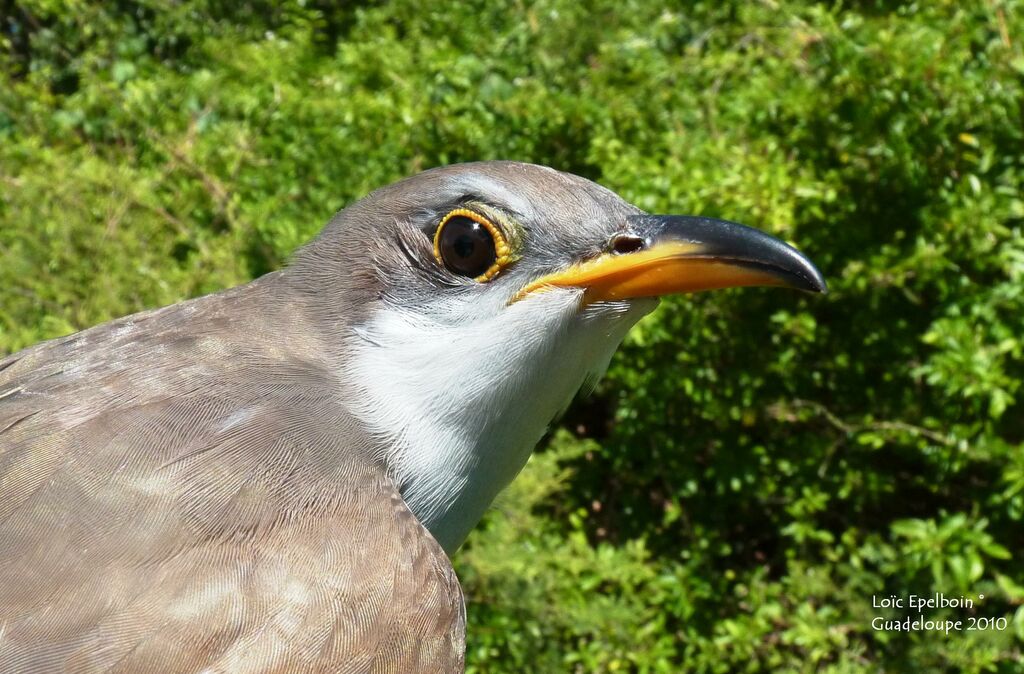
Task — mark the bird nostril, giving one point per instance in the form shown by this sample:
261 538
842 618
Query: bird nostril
626 243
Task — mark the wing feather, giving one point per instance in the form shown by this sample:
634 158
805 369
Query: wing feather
174 499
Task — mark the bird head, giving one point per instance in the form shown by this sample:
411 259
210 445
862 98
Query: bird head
466 306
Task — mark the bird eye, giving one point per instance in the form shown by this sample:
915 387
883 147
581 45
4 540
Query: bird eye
468 244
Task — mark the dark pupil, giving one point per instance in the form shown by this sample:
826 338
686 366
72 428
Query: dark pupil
467 247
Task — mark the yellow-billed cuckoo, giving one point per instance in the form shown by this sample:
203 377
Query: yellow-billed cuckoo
268 479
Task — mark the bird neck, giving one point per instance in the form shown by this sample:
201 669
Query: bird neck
459 406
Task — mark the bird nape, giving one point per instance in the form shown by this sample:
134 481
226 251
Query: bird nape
270 478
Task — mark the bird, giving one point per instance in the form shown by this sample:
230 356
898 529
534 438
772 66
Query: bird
272 478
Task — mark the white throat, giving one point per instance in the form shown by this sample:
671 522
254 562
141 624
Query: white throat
461 400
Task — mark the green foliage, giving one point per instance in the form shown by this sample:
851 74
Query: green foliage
757 464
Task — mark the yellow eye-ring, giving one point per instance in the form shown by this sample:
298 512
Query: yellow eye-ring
468 244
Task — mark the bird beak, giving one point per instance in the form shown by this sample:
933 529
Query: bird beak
666 254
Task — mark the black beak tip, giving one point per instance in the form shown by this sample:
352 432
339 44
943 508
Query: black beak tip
811 280
791 266
739 245
822 288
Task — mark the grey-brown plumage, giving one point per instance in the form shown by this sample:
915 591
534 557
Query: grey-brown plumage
268 479
183 492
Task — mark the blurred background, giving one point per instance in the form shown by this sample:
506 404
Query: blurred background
757 463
